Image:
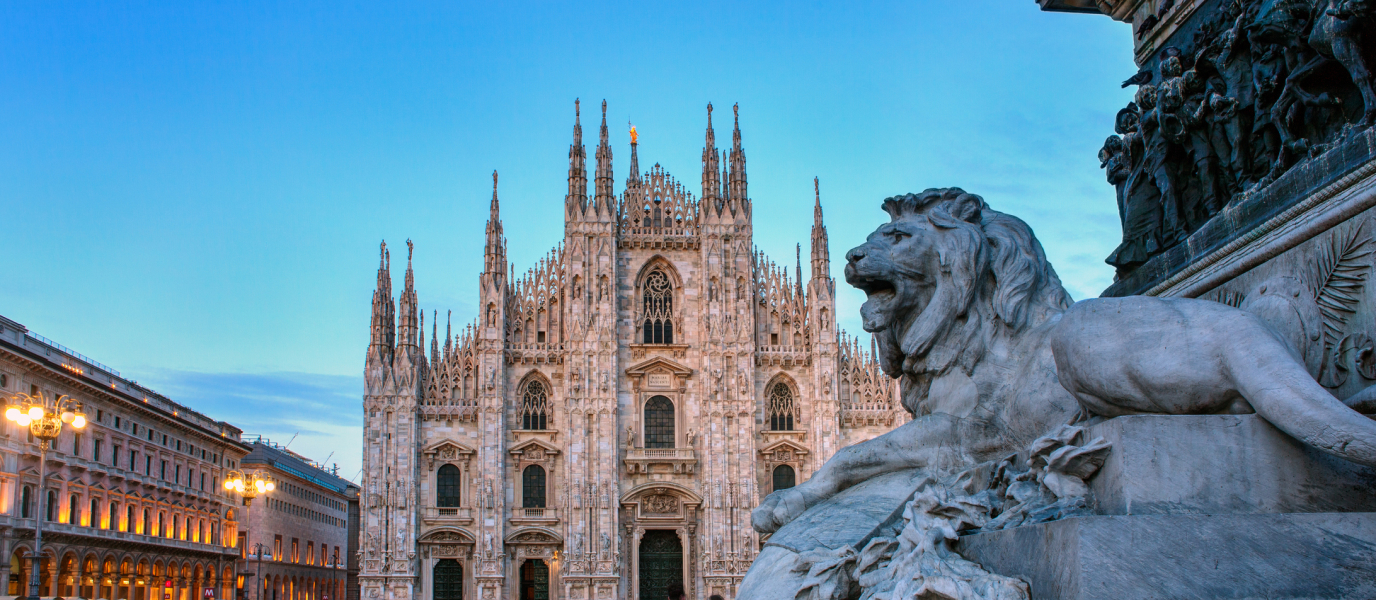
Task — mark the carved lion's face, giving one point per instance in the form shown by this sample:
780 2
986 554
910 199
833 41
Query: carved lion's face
897 267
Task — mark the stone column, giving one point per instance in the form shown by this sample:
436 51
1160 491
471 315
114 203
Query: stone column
54 581
78 587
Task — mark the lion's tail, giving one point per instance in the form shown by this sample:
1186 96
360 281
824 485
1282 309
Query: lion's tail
1282 391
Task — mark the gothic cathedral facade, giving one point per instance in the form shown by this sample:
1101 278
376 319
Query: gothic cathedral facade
605 426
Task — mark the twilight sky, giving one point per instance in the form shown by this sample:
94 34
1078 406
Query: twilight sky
193 193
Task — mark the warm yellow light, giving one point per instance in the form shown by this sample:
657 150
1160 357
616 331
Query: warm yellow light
79 421
271 486
229 484
23 420
35 412
261 485
12 413
67 416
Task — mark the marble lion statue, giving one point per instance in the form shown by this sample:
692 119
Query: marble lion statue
992 353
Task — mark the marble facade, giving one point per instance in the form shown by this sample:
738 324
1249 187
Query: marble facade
641 388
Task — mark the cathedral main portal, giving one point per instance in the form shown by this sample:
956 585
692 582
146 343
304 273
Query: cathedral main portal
448 580
661 563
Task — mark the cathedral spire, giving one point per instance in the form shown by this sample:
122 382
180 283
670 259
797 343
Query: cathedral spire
711 203
383 324
603 200
633 179
576 202
798 268
434 337
821 255
448 332
739 196
407 328
494 253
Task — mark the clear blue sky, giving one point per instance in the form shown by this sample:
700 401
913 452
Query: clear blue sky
193 192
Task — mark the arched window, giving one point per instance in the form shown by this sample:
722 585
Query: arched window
95 513
128 519
144 524
533 487
658 309
26 503
534 404
73 512
447 492
784 477
781 408
659 423
51 510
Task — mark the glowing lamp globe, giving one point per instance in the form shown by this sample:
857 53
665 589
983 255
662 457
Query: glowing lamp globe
12 413
35 413
67 416
79 421
23 420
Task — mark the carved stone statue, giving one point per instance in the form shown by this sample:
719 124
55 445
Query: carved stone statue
1255 89
960 295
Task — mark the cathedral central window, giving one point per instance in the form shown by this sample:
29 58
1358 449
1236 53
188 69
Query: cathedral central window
781 408
534 406
659 309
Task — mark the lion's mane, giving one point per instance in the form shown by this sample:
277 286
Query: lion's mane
999 284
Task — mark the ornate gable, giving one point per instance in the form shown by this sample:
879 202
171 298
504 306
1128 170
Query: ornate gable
446 450
659 373
534 450
783 452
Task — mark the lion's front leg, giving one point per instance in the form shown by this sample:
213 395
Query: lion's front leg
918 443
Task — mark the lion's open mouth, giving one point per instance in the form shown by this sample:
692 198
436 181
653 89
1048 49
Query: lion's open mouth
879 296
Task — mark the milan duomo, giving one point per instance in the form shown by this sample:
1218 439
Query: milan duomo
605 426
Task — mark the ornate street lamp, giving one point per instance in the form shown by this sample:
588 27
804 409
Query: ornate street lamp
251 485
44 416
248 485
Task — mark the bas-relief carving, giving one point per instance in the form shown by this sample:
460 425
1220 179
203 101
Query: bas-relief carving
1261 85
956 288
660 504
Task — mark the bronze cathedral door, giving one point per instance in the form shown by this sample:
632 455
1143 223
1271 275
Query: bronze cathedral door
448 580
661 563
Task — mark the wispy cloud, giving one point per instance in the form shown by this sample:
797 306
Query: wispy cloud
320 414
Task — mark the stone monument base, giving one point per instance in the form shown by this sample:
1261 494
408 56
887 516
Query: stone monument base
1215 506
1140 557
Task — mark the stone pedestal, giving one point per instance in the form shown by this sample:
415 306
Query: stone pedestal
1219 464
1219 506
1275 556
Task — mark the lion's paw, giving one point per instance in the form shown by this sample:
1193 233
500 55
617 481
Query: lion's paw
777 510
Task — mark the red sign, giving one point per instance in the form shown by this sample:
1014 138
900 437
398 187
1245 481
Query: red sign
167 584
210 594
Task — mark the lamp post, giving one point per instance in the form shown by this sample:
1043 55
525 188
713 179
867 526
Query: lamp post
258 574
250 485
44 416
